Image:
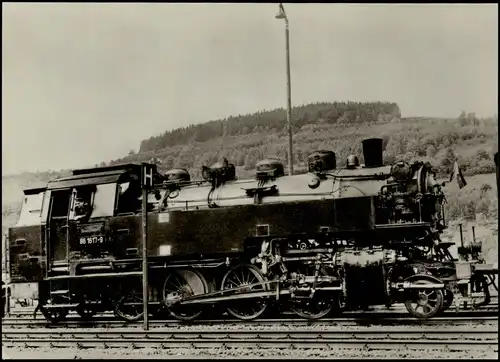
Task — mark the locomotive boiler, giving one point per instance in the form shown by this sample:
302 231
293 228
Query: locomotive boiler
332 239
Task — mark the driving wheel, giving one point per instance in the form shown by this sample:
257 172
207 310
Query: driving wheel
180 284
250 279
320 305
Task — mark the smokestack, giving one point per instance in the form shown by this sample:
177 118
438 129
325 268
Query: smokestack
372 152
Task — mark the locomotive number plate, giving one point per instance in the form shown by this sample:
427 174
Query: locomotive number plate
92 240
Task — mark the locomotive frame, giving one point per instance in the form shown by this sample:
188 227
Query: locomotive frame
262 244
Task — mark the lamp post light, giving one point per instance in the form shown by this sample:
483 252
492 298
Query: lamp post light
282 15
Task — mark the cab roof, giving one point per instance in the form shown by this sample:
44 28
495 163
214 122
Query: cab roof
96 176
127 166
34 190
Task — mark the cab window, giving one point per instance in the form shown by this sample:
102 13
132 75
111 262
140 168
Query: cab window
104 200
92 201
82 202
129 197
31 210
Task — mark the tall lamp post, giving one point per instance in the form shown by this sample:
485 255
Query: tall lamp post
282 15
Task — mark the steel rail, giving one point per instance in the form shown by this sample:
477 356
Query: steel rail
376 339
285 315
317 333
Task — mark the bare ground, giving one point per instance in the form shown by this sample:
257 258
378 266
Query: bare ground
241 353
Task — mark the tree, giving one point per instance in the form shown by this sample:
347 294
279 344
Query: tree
448 160
482 155
185 159
431 151
239 158
250 161
462 118
485 188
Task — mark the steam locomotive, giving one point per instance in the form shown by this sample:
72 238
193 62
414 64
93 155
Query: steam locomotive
333 239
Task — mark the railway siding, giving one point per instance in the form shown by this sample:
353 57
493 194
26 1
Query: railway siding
442 339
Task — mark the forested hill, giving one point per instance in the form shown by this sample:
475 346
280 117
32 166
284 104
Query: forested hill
339 126
264 121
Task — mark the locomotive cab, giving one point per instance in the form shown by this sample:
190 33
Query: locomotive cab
85 217
26 259
25 239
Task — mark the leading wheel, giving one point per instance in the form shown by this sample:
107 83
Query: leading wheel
250 279
447 298
181 284
424 303
480 285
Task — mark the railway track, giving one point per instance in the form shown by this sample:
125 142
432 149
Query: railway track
18 309
451 340
397 315
104 322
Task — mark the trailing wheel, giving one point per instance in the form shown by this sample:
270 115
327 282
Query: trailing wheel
4 298
388 280
184 283
54 315
85 311
129 306
250 279
424 303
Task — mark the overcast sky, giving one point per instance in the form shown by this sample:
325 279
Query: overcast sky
85 83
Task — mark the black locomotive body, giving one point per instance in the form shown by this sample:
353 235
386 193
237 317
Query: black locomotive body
327 240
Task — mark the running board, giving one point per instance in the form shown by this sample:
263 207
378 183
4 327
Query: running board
89 276
410 285
55 306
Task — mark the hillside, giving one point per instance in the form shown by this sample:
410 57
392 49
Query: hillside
13 185
265 121
244 140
